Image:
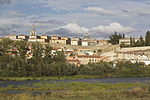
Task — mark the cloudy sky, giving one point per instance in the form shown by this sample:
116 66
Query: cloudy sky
99 18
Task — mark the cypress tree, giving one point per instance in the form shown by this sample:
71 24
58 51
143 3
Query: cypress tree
147 38
142 42
123 36
131 41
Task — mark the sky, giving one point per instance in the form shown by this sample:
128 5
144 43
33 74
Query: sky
74 18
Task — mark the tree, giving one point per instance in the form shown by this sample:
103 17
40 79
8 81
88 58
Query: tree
123 36
47 54
142 42
59 57
131 42
114 39
147 38
22 47
5 45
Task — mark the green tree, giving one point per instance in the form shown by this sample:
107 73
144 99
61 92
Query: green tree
22 47
123 36
131 42
147 38
114 39
142 42
5 45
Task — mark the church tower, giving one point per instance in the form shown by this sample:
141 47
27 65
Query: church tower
86 37
33 31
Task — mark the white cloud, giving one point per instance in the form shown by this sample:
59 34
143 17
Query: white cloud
100 10
73 29
112 27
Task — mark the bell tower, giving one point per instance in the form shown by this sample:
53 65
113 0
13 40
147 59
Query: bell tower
33 31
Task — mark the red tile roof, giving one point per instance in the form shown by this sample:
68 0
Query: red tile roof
95 56
73 60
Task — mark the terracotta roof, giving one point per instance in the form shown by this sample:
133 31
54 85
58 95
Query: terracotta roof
73 60
89 56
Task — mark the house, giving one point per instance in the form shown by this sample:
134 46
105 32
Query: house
86 52
45 37
64 38
23 37
60 41
75 41
126 41
37 40
54 50
102 42
12 36
34 36
85 59
84 43
89 42
132 56
74 61
55 37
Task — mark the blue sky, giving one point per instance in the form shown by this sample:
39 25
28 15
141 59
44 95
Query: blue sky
99 18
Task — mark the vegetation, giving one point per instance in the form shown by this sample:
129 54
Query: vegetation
82 90
45 64
114 39
147 38
138 43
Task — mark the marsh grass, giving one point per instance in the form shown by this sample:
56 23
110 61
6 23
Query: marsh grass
133 94
80 91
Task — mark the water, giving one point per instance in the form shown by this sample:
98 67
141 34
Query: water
6 83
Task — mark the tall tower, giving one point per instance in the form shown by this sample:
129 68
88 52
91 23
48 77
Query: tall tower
33 31
86 37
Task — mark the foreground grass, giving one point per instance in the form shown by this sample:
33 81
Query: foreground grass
80 91
133 94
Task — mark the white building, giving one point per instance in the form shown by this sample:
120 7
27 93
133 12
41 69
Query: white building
23 37
36 40
75 41
84 43
12 37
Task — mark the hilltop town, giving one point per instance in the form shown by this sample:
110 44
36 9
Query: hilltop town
87 50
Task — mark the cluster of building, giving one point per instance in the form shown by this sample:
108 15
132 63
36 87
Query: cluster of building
83 55
33 37
133 57
127 41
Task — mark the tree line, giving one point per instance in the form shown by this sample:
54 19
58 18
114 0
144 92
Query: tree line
114 39
43 63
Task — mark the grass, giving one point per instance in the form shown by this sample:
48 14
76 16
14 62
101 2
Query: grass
133 94
80 91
